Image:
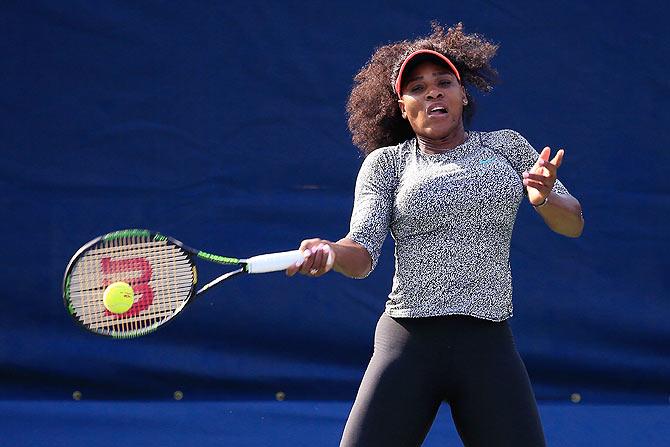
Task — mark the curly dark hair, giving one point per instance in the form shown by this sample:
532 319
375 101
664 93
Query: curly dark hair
374 116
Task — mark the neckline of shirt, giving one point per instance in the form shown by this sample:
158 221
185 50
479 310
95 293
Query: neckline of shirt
470 139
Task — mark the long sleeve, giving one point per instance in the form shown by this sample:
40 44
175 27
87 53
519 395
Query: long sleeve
521 155
373 202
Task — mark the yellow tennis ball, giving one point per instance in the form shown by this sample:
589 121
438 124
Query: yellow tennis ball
118 297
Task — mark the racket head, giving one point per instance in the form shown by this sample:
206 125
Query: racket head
161 270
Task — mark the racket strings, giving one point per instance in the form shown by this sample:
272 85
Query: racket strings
160 273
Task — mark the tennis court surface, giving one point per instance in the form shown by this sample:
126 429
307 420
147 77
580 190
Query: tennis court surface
280 424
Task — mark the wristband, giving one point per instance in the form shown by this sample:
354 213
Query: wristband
544 202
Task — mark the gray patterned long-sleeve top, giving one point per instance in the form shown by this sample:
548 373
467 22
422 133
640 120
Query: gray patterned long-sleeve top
451 216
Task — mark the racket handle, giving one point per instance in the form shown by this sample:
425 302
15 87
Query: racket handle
273 262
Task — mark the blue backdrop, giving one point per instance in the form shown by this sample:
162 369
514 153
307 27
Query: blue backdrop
223 125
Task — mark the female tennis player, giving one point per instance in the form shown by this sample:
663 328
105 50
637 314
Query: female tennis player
449 197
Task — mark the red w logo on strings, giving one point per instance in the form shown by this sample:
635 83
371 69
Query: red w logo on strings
144 294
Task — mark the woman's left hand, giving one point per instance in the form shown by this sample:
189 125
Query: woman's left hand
541 178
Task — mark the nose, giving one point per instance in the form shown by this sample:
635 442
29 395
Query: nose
433 93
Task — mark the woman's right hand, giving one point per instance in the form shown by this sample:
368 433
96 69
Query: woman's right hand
319 258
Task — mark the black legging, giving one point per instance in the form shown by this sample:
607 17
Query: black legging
418 363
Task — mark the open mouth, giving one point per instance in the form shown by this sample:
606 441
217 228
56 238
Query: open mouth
437 111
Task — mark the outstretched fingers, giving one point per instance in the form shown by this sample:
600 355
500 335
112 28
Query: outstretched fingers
544 173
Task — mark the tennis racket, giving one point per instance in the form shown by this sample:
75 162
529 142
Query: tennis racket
161 271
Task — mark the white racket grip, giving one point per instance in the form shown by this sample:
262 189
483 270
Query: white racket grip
273 262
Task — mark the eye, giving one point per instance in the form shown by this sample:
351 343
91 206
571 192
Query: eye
445 82
416 88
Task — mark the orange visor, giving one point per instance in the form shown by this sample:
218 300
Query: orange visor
442 57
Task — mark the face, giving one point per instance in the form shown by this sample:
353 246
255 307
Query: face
432 101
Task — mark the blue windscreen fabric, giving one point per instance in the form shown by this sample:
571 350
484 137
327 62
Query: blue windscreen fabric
223 125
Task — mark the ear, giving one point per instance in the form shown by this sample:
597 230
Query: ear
465 96
401 104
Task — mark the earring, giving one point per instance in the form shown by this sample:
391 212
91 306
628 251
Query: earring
465 102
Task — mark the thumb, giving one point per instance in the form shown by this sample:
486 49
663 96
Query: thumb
558 159
331 257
